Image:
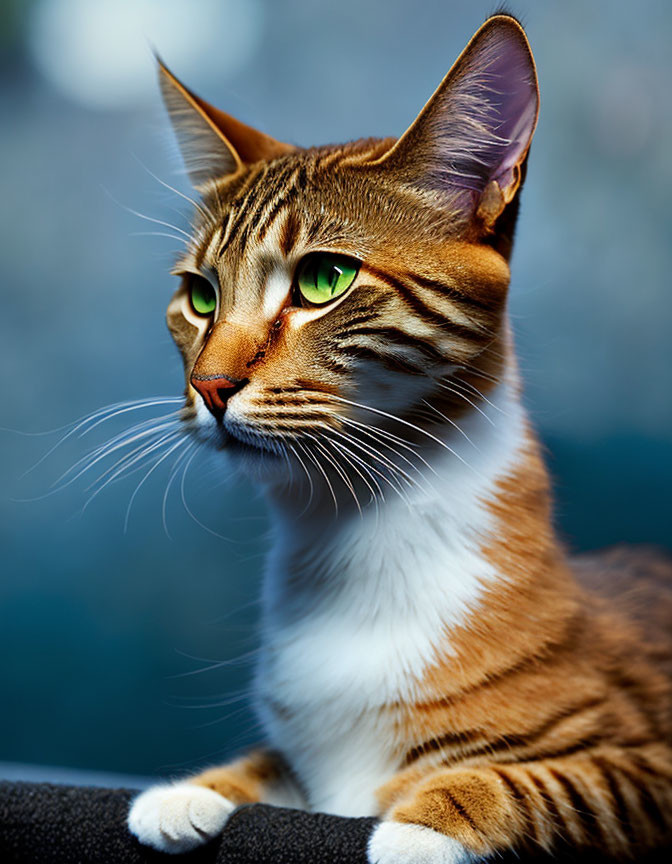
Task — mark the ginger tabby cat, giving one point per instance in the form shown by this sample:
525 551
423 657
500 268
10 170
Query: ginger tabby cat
430 655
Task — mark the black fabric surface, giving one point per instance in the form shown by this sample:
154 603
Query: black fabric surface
40 822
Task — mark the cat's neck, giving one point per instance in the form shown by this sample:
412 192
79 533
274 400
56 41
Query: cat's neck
418 556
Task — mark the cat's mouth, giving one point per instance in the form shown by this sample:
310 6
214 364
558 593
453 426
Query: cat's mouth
231 435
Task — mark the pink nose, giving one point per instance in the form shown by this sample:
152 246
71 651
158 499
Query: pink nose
216 390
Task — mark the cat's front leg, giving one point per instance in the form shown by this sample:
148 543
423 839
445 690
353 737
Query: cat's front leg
177 817
610 799
417 827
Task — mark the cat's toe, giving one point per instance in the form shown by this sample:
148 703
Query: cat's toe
402 843
178 817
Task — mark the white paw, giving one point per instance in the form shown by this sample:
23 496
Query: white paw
178 817
402 843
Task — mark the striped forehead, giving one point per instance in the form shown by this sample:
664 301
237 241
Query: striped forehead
273 214
264 197
277 213
251 255
310 183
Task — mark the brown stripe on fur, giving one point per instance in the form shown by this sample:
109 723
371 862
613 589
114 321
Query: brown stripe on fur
557 819
239 206
275 211
472 806
525 805
432 316
330 159
352 322
660 770
621 811
290 233
318 386
647 799
562 751
434 745
459 808
286 417
265 188
645 833
392 362
508 742
591 827
399 337
285 191
452 292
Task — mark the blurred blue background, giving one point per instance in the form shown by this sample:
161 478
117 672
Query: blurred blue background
131 651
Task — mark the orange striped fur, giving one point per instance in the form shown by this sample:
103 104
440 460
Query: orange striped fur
526 702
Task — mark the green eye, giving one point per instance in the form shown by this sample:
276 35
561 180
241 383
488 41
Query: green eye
202 296
323 276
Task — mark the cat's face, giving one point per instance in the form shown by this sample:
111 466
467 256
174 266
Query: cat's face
331 294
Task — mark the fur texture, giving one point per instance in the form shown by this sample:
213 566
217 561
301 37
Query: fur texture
430 654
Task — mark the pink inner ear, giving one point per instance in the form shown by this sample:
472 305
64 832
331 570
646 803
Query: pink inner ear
514 104
480 123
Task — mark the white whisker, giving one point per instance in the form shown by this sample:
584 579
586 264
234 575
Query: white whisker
203 209
370 470
126 464
133 405
123 439
159 234
171 401
147 476
374 433
148 218
410 425
126 460
344 477
354 467
106 450
316 462
183 496
462 384
476 407
173 474
213 665
310 480
387 463
451 422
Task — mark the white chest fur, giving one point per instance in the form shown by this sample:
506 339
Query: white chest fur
352 618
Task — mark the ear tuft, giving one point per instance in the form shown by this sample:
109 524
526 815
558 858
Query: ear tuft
477 127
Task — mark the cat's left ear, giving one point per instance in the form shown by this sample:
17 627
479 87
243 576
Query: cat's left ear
469 142
213 144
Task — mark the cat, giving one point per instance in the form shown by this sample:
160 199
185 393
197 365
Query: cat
430 655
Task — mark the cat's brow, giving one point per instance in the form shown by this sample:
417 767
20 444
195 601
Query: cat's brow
238 209
206 254
263 197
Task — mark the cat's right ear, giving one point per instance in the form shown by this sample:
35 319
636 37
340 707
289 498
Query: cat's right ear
213 144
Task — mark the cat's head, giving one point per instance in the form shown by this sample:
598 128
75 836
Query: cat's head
331 293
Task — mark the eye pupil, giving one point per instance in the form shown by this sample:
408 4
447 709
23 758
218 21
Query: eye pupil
323 276
336 273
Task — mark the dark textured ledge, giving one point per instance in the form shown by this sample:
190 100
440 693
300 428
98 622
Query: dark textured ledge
41 822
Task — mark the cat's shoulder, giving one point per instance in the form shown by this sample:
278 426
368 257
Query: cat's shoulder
638 577
634 582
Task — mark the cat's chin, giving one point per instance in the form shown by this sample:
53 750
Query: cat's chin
242 449
262 466
261 460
